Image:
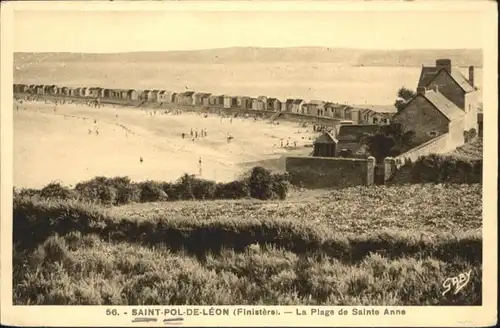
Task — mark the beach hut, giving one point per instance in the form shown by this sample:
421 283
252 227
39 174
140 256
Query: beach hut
132 94
299 106
316 107
273 104
84 92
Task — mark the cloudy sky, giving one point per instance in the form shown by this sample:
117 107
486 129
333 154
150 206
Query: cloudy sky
116 31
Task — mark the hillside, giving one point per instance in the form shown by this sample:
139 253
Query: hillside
355 57
348 247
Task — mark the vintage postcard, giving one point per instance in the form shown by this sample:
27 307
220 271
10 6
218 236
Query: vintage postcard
249 163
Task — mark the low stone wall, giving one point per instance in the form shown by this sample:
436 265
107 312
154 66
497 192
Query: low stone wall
330 172
439 145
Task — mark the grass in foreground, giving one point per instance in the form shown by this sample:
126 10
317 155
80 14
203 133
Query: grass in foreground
356 246
88 271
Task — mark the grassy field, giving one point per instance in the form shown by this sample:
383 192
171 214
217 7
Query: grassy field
357 246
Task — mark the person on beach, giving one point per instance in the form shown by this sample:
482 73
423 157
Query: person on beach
141 160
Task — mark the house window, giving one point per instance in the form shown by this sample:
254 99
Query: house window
375 120
433 133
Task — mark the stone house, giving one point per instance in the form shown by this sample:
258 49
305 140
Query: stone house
430 114
350 138
257 104
453 85
132 94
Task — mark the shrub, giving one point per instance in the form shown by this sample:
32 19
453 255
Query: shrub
232 190
56 191
438 169
126 191
260 183
151 191
97 190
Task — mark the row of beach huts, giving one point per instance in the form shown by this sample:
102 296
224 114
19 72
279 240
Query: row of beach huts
191 98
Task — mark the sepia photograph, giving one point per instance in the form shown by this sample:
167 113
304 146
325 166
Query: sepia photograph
252 158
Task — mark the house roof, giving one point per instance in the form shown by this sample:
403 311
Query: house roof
188 93
272 99
354 132
290 101
445 106
298 101
429 73
326 137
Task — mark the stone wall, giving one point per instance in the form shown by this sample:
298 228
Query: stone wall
330 173
439 145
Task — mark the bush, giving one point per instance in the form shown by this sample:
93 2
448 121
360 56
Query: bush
151 191
97 190
260 183
232 190
449 169
56 191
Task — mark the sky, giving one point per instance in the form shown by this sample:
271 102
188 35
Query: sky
121 31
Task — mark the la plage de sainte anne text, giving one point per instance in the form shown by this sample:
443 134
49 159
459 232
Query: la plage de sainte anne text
345 312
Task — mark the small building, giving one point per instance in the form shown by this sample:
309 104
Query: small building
40 89
51 90
350 138
65 91
214 100
84 92
175 98
154 95
94 92
230 102
263 100
258 104
325 146
187 98
146 95
316 107
273 104
368 116
299 106
288 105
165 96
244 102
73 92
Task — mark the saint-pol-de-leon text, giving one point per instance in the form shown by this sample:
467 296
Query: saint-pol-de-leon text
331 312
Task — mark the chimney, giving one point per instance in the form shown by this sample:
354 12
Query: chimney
421 90
471 75
444 63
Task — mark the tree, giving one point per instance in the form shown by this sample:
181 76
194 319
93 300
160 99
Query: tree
390 140
404 95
